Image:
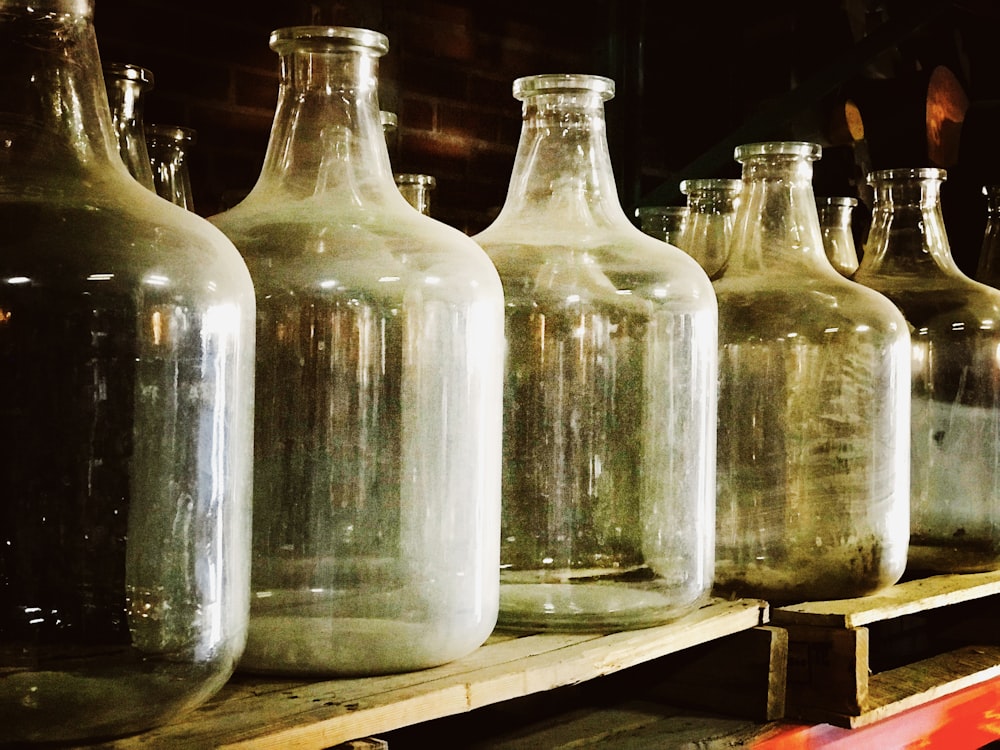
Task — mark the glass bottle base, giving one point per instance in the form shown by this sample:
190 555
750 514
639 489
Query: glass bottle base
940 556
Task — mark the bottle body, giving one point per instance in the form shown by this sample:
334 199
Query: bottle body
813 408
609 389
709 227
126 337
378 418
838 239
955 389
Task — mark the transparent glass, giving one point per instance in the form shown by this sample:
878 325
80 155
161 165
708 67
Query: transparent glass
609 441
988 268
416 188
838 239
126 86
126 397
379 391
813 403
663 222
169 148
708 230
955 327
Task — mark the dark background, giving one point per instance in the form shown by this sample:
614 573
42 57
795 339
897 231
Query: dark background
694 80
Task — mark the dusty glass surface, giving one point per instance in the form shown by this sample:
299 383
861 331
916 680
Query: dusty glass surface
813 403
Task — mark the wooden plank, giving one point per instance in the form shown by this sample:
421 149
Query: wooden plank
323 714
902 599
742 675
901 689
827 671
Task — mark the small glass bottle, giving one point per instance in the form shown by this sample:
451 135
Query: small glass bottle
813 403
955 326
663 222
838 239
379 394
988 268
416 188
126 85
708 230
126 397
609 447
169 147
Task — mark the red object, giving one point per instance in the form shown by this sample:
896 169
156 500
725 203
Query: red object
967 719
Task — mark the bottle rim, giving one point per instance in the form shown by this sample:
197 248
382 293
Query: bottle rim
907 173
406 178
804 149
345 36
129 72
388 119
711 183
563 82
177 133
641 211
836 200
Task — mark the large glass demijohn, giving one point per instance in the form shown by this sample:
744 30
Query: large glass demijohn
126 397
378 398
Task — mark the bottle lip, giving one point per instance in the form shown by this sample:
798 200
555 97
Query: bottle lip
563 82
129 72
388 119
328 36
711 183
836 200
662 211
919 173
406 178
177 133
805 149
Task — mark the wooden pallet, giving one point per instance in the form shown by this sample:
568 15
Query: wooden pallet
294 714
856 661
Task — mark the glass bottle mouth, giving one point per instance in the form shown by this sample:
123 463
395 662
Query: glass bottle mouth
406 178
130 72
563 83
177 133
836 200
922 173
328 37
723 185
802 149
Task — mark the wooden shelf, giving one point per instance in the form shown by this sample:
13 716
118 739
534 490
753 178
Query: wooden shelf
857 661
295 714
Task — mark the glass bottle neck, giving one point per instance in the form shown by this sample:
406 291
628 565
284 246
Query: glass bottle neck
562 174
327 134
53 104
776 228
907 234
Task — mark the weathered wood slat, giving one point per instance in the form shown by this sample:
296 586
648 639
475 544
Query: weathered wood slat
906 598
294 715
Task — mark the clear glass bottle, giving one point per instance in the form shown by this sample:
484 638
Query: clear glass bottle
663 222
379 392
609 441
126 85
708 230
416 188
126 397
955 327
988 267
813 403
838 238
169 147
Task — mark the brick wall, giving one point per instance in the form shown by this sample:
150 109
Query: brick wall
448 77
